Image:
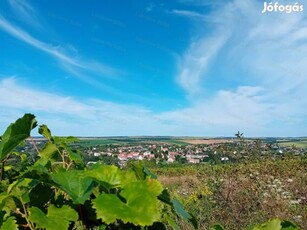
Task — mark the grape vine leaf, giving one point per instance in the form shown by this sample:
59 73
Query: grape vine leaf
165 197
45 131
47 153
110 176
9 224
7 202
149 173
73 155
38 172
141 171
216 227
66 140
184 214
21 188
56 218
141 206
274 224
3 196
16 133
171 221
287 225
73 182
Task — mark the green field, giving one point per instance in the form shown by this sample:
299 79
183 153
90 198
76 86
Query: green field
298 144
95 142
127 140
175 141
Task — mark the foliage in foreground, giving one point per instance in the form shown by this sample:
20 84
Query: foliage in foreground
57 190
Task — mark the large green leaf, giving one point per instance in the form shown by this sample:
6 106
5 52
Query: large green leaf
16 133
48 153
137 204
110 176
73 182
56 218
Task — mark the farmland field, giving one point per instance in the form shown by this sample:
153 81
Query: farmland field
207 141
91 141
169 140
289 142
298 144
97 141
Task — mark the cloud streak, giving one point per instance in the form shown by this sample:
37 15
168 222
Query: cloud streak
25 11
189 14
70 116
196 62
19 97
107 118
55 51
244 109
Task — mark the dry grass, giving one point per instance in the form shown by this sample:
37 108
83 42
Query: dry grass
242 194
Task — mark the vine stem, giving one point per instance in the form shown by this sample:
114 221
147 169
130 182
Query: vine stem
68 165
80 213
2 170
34 144
25 215
63 160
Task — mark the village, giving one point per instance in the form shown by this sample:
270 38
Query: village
167 153
160 153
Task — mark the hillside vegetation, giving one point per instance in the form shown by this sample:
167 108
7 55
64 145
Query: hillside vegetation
237 195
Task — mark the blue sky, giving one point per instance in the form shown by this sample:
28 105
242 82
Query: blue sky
183 68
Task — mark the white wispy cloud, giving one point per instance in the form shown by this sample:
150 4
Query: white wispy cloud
25 11
14 96
228 110
25 37
94 117
264 51
71 116
189 14
57 52
196 61
244 109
